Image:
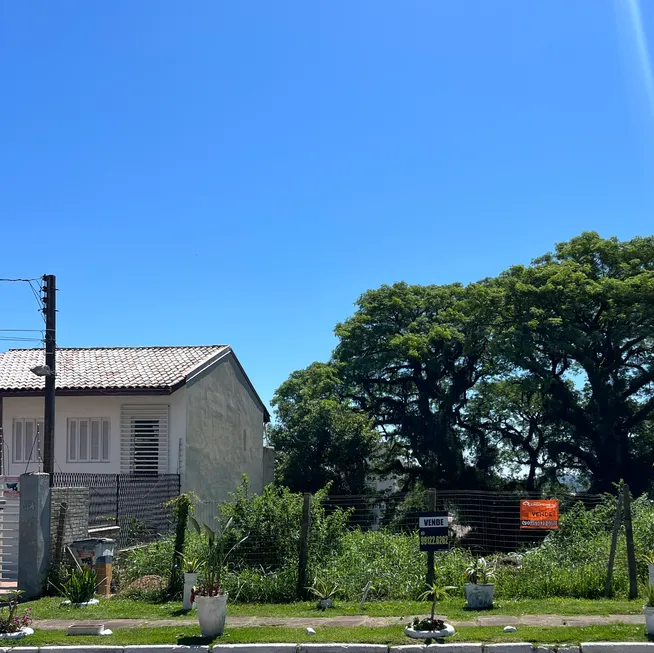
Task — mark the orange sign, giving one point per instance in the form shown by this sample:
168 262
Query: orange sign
542 514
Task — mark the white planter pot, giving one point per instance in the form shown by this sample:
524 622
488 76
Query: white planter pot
480 596
19 634
190 580
650 571
649 620
212 612
448 631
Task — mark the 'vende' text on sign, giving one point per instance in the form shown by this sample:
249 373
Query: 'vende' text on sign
433 531
539 514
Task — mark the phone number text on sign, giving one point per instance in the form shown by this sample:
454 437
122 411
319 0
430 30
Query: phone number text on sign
539 514
433 531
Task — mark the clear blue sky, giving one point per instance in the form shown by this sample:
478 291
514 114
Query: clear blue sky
240 172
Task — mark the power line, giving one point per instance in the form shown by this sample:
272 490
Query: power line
19 280
6 339
22 330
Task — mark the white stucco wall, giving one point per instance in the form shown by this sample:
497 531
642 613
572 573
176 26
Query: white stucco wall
80 407
224 433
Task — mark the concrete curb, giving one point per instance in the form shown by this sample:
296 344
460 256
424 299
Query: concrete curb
512 647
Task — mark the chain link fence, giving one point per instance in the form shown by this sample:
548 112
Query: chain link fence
483 522
134 503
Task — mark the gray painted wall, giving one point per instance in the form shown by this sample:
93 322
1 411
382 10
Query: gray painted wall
268 465
224 433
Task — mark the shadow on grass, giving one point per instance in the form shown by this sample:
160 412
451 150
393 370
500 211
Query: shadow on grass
181 612
196 641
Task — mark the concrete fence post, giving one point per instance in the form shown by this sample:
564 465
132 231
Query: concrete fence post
34 533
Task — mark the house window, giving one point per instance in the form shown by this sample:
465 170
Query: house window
88 440
146 446
27 438
144 439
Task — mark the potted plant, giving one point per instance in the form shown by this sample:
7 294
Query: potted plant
479 591
648 559
325 592
11 625
431 628
78 587
192 567
209 596
649 611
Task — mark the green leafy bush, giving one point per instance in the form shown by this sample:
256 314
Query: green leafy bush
79 585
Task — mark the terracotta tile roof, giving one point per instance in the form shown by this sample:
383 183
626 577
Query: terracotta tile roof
105 368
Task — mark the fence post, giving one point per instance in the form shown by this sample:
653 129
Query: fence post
631 553
431 503
117 499
304 547
614 543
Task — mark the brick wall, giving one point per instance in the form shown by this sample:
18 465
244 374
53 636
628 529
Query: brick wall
75 518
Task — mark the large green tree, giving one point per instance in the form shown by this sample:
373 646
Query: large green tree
319 436
410 355
511 427
580 321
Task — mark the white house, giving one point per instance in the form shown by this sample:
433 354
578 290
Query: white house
138 410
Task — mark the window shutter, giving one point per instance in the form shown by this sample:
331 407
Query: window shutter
105 439
18 440
83 439
95 439
30 452
72 440
144 438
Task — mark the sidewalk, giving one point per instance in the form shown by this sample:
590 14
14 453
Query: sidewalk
354 621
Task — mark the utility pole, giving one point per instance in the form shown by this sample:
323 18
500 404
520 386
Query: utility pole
50 311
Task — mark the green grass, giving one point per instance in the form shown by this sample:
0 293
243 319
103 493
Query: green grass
50 608
385 635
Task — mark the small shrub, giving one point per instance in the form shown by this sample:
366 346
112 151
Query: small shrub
79 585
10 622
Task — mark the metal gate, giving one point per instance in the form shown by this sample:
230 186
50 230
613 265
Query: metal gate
9 511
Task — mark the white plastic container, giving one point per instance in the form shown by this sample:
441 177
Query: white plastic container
480 596
649 620
212 612
190 580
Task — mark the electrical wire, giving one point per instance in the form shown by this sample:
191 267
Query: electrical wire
23 330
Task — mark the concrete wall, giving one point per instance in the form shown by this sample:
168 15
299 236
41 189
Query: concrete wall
104 406
268 465
224 432
75 517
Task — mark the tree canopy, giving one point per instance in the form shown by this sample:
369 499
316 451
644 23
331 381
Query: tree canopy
542 372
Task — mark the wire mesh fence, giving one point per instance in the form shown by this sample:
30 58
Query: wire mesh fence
482 521
134 503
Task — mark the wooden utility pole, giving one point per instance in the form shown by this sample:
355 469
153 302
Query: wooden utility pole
50 311
431 502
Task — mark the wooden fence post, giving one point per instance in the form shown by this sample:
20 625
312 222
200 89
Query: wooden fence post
304 548
431 503
631 552
608 590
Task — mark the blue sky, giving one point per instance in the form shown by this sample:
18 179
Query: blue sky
240 172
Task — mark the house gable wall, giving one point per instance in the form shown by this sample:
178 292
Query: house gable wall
224 432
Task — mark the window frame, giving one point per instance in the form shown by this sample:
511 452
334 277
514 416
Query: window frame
89 444
34 449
